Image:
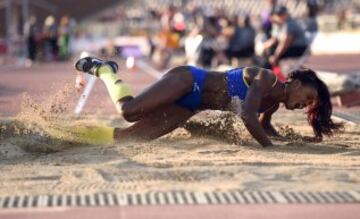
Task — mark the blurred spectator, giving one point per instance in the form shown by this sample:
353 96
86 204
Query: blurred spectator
152 46
169 42
312 8
311 24
64 38
221 42
179 24
31 33
210 31
167 16
210 37
288 38
265 18
344 18
50 37
242 42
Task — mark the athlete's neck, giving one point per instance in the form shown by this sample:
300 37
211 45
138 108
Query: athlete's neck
279 92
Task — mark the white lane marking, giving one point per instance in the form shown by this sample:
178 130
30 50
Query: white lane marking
85 94
148 69
346 117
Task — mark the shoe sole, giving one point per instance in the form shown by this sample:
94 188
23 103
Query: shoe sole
86 64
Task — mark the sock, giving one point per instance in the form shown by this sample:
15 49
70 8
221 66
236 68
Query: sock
95 135
115 87
84 134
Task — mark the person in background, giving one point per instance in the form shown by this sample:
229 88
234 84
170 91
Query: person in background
169 42
265 18
168 38
31 33
311 24
221 41
179 24
152 46
341 18
288 38
167 16
50 36
64 38
209 31
242 41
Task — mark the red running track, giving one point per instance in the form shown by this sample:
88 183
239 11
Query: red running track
279 211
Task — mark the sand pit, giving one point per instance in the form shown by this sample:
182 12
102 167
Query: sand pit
213 152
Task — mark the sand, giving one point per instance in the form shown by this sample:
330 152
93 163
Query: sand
213 152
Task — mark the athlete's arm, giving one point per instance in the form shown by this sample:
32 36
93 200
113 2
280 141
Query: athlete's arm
265 121
261 83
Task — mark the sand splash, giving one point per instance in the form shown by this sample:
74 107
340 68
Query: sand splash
213 151
42 127
228 127
48 126
223 126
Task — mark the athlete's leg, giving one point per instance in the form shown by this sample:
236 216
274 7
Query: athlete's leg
106 71
166 91
155 124
176 83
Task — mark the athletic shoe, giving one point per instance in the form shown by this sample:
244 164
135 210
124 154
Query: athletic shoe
91 65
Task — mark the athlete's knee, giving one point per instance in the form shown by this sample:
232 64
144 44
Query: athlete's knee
130 112
179 69
180 74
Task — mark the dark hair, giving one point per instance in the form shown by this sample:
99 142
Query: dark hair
319 113
279 10
247 21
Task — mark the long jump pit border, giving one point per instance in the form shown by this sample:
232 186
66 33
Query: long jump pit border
179 198
183 204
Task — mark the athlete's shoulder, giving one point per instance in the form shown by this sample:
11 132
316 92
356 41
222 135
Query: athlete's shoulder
254 72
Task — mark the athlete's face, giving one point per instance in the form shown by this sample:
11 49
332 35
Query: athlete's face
299 96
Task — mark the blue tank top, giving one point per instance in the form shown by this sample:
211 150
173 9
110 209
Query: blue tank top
236 83
238 86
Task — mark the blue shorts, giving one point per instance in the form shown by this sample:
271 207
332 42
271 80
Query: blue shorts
192 100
